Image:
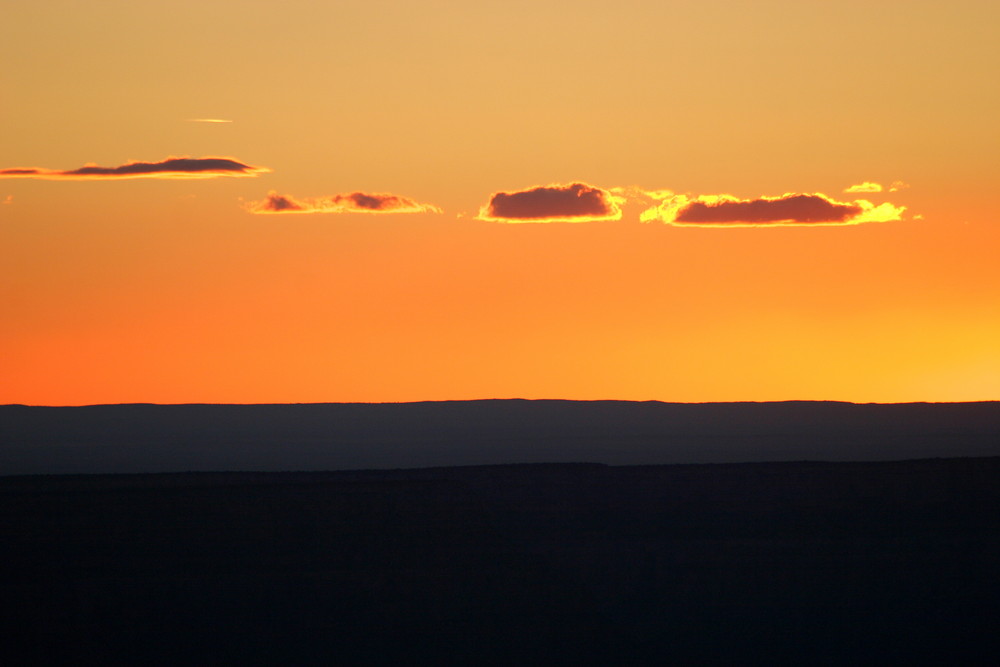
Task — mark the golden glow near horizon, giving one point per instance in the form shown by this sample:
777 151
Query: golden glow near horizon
760 277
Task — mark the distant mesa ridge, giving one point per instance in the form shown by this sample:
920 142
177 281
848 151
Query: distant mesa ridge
340 436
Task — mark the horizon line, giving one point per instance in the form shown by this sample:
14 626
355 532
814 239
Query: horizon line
487 400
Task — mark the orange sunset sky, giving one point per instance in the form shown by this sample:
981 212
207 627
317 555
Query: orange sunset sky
680 201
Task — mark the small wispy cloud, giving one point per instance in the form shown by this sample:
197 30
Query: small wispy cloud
207 120
872 187
575 202
354 202
172 167
867 186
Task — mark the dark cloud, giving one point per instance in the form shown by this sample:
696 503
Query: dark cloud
576 201
174 167
18 171
789 208
355 202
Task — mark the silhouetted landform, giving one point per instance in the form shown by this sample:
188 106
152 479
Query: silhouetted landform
758 563
165 438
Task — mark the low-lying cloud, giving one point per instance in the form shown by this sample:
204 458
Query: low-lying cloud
354 202
787 209
576 202
172 167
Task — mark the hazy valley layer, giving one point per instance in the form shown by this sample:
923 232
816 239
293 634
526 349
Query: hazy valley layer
163 438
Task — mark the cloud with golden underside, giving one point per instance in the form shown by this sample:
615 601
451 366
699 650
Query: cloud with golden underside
865 187
575 202
870 187
354 202
170 168
789 209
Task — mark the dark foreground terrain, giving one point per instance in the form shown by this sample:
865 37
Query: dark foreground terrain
768 563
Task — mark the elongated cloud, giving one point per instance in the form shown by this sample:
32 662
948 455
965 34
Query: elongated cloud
355 202
867 186
788 209
576 202
172 167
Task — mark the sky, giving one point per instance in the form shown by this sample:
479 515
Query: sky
259 202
